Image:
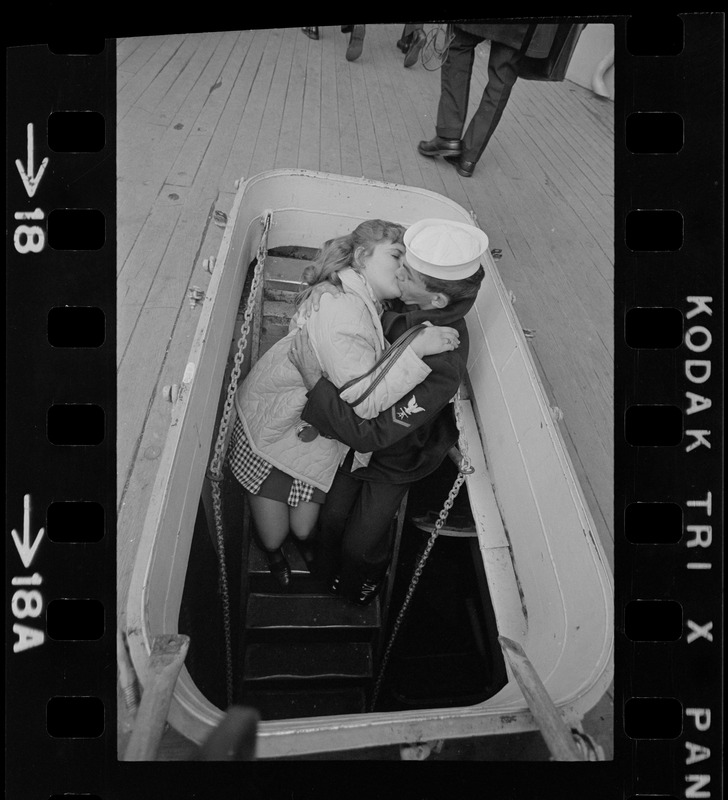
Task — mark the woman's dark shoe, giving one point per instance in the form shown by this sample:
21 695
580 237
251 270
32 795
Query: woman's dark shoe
356 42
413 51
279 567
403 44
449 148
312 32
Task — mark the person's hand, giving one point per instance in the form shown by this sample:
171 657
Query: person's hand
301 354
435 339
313 301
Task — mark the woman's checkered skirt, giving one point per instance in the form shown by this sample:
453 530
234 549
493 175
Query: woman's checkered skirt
251 470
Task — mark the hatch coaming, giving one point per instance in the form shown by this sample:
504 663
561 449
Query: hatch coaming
560 566
545 532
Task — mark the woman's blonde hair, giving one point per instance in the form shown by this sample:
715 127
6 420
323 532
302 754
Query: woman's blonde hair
346 251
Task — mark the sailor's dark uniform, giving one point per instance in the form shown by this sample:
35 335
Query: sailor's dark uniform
409 441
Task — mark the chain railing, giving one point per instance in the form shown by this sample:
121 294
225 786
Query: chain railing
214 472
464 469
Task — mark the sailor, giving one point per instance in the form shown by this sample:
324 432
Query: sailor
440 276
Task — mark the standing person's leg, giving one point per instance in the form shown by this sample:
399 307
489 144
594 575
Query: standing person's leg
356 40
455 77
452 108
409 29
503 64
367 541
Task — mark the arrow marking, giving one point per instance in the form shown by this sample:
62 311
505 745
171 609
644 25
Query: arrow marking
31 181
26 550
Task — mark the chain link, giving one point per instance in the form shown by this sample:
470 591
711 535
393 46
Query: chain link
463 469
215 470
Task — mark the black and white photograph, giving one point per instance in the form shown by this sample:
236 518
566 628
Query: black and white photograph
364 391
365 403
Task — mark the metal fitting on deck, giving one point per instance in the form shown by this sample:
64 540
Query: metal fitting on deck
170 392
195 294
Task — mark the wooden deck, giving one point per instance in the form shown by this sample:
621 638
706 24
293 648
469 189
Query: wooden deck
198 111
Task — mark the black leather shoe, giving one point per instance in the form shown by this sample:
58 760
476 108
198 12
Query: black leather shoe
335 585
464 168
413 51
449 148
279 567
312 32
402 45
356 42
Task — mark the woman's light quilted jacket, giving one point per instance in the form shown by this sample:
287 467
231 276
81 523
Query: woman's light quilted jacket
347 337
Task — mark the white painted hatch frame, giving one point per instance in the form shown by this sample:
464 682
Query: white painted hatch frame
548 576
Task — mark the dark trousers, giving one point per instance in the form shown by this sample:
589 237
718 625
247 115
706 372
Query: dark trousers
456 74
355 530
410 28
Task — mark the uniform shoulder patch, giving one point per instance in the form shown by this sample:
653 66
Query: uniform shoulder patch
404 412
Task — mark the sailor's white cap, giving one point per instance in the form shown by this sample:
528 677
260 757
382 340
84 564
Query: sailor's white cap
445 249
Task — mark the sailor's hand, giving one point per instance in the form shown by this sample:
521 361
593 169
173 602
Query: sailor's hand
301 354
313 301
435 339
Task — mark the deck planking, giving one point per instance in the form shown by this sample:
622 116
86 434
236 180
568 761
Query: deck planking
199 111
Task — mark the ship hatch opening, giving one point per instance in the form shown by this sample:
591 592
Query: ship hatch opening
306 653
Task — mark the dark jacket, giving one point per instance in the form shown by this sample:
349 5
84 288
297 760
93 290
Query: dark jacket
548 53
513 35
411 438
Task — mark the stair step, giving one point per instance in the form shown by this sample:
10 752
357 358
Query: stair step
301 583
309 702
284 611
274 291
294 252
318 660
276 312
281 268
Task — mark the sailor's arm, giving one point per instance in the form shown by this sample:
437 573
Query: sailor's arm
334 417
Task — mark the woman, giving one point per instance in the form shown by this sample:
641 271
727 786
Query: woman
284 466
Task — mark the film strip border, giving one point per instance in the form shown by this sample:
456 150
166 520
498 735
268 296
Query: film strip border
668 395
669 404
61 414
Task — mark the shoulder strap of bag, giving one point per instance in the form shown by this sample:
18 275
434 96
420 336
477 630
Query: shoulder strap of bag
386 362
